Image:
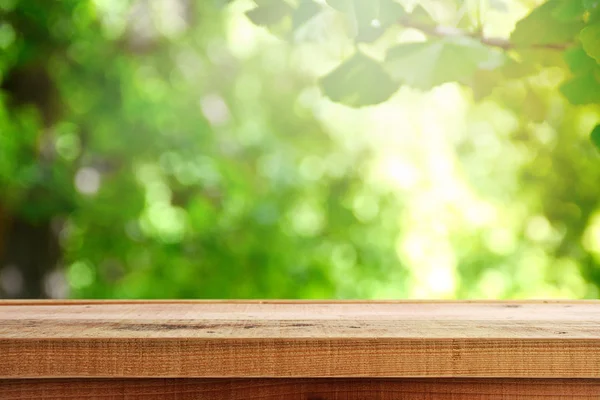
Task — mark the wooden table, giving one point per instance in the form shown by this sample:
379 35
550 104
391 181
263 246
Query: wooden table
280 350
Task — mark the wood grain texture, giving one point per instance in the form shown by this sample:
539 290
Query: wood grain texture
300 339
299 389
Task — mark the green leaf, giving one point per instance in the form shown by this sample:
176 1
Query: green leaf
269 13
345 6
590 41
421 16
484 82
390 12
499 5
542 27
540 57
305 11
428 64
595 136
358 81
591 4
376 18
583 89
534 107
568 10
578 61
513 69
366 10
369 19
265 3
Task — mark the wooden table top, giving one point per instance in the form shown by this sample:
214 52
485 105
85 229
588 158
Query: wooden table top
536 339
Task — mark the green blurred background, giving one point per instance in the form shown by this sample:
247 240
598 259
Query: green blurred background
173 149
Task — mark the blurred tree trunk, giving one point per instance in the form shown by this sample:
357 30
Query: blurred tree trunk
31 249
28 249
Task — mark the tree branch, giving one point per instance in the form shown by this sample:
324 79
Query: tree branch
447 31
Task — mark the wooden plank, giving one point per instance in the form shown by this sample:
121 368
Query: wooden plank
299 389
300 339
51 302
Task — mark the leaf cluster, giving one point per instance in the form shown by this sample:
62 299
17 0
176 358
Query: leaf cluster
557 33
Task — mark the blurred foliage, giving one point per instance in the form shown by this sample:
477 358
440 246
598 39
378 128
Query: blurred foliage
213 149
